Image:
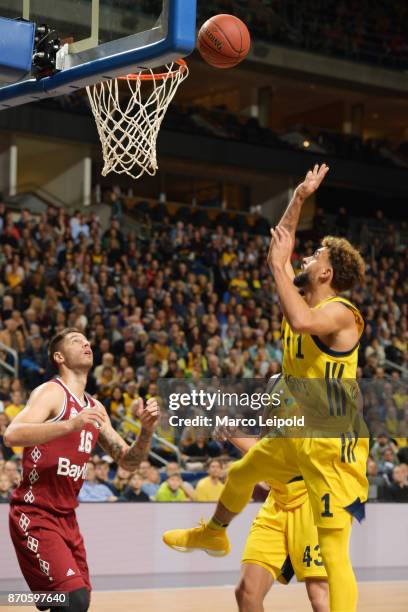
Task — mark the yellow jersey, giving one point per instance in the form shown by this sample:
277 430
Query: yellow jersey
323 381
306 356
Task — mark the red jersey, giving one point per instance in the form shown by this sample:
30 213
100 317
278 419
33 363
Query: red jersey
53 473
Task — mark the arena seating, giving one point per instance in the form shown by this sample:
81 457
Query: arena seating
361 31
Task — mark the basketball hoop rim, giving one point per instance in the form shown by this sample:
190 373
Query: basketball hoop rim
151 76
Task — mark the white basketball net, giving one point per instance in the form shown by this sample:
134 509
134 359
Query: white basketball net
128 127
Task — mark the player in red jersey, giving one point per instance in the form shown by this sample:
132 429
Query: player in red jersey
59 428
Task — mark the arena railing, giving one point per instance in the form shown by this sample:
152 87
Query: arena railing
48 198
396 366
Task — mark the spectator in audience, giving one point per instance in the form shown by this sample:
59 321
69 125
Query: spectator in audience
382 443
393 351
106 383
201 449
144 468
93 491
375 349
387 463
5 452
168 433
16 405
120 482
173 468
130 396
133 492
12 337
108 361
5 487
171 490
34 361
372 473
398 490
102 473
209 488
151 483
13 473
115 404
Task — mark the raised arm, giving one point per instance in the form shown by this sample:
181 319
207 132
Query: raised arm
30 426
130 457
290 218
313 179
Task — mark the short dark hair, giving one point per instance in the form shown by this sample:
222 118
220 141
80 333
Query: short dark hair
347 263
56 341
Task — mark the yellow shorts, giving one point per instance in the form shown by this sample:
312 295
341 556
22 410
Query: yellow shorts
334 471
285 543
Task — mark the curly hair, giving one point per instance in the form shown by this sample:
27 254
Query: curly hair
347 263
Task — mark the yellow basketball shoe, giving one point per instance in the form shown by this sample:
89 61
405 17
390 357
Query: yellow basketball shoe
214 542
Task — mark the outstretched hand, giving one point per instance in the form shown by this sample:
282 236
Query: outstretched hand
312 181
149 414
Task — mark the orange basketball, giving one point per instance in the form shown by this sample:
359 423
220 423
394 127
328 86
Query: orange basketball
224 41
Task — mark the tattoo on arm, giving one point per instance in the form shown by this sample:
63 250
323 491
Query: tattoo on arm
129 457
112 443
137 452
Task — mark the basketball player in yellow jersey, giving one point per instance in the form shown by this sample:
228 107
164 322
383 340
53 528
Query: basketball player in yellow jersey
321 336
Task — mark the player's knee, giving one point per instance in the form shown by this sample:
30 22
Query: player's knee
318 592
79 601
327 553
236 471
246 594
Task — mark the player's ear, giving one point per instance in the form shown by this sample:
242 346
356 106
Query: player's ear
58 358
326 274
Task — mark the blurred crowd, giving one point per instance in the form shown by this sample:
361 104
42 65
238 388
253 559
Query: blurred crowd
371 32
189 301
219 122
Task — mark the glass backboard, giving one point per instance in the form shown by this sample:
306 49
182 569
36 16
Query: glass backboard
102 39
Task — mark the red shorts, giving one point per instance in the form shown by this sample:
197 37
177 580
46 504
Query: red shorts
50 549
